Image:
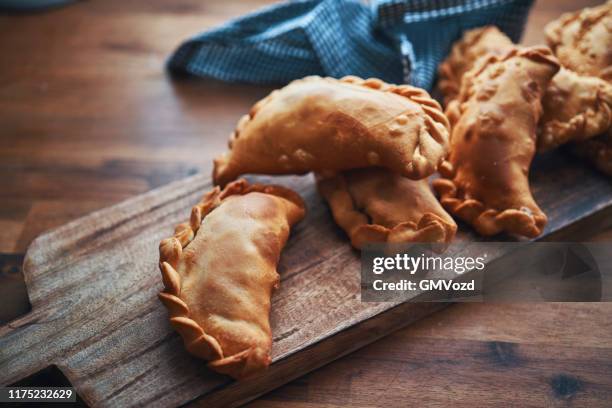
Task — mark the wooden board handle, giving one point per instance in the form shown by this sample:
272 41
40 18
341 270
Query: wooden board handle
24 348
28 344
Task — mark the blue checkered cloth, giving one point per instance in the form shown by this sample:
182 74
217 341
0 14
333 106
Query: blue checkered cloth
394 40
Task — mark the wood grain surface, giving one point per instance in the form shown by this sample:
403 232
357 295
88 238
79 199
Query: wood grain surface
90 118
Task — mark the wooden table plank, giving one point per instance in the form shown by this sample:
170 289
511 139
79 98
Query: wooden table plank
434 372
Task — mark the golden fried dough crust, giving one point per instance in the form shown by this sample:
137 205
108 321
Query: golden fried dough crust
473 44
328 125
219 272
582 40
598 151
576 108
374 205
485 182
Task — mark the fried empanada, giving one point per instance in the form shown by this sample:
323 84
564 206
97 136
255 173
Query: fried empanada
494 120
219 271
598 151
576 108
374 205
473 44
328 125
582 40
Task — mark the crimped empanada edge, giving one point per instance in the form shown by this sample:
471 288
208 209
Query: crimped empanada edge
195 338
485 220
430 228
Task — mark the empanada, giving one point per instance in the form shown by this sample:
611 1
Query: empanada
219 271
328 125
582 40
485 182
374 205
473 44
576 108
598 151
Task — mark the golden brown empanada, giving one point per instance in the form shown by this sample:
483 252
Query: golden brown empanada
576 108
219 271
493 142
374 205
598 151
582 40
473 44
328 125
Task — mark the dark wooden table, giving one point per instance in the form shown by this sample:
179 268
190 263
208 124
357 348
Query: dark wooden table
89 117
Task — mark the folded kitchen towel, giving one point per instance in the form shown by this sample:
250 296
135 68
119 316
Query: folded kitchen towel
394 40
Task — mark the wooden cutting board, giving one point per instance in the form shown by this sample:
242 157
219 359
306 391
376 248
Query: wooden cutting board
93 287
